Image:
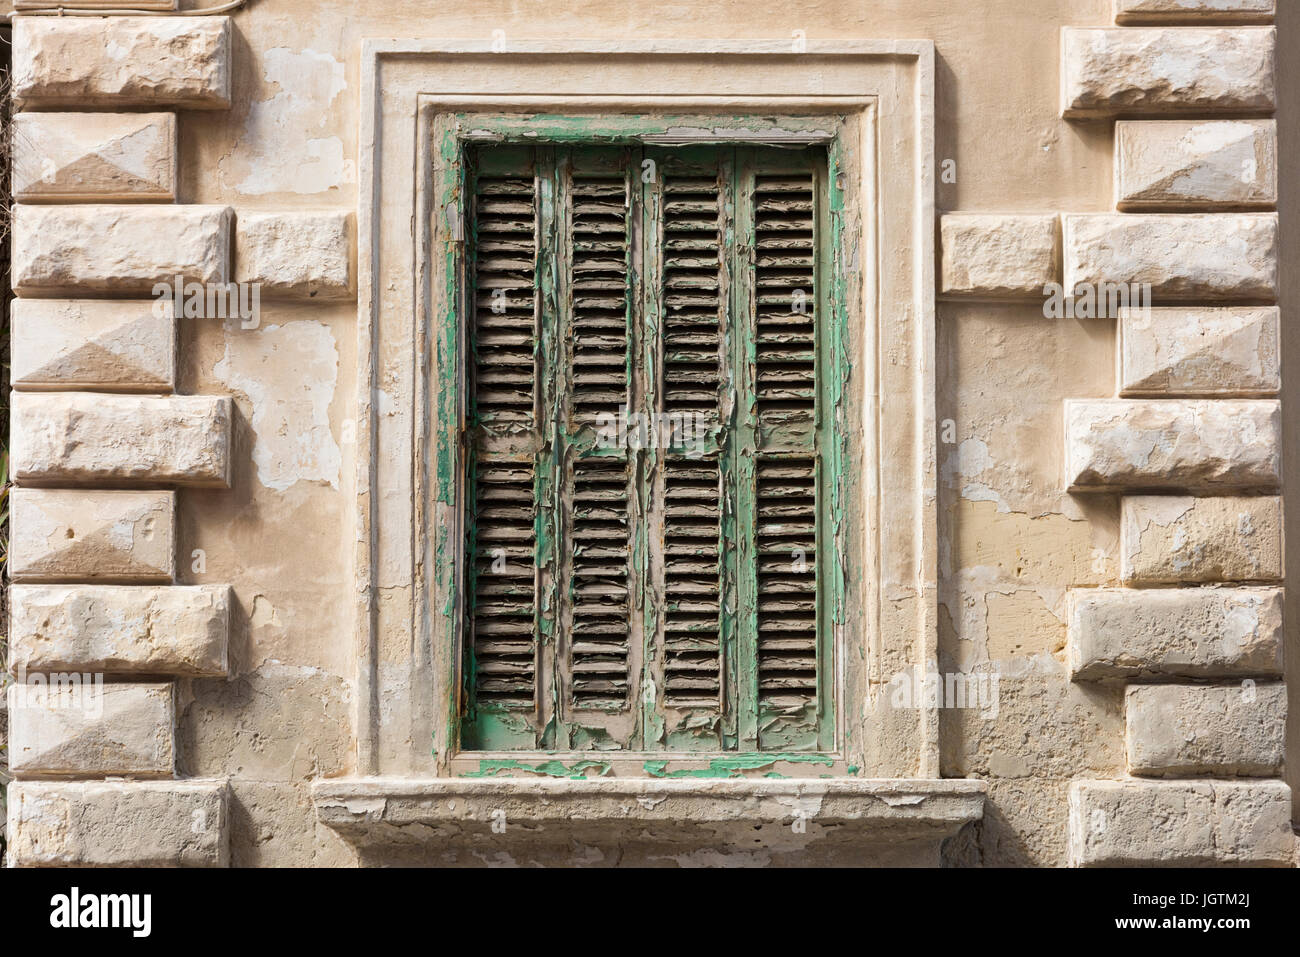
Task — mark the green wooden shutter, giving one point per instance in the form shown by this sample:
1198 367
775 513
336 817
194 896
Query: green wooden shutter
693 705
555 646
600 644
658 597
785 309
503 628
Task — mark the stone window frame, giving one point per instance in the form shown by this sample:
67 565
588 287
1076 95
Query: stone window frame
405 709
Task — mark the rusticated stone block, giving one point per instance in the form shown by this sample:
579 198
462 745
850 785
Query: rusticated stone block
1180 823
98 4
1175 632
999 257
94 157
69 726
1129 71
1185 730
1179 444
120 629
104 345
1171 539
122 440
114 62
118 824
80 535
1200 352
124 249
305 255
1194 11
1221 256
1176 164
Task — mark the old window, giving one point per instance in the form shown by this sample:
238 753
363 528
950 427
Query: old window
650 453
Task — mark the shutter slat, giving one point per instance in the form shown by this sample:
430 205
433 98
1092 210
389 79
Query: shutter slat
692 495
600 590
692 293
783 224
786 539
503 612
598 237
505 229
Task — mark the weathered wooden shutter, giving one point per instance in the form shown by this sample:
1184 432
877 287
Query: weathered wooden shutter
688 265
740 661
503 624
599 648
554 649
657 596
785 311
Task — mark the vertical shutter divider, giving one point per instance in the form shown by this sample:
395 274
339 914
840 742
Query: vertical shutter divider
744 439
650 699
550 488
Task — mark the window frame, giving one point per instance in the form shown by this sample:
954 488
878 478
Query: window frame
452 135
402 706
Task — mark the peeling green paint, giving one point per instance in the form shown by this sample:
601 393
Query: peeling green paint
497 767
734 767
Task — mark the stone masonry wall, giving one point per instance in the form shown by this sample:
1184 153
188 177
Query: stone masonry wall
105 445
182 528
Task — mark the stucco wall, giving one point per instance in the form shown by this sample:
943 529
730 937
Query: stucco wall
1012 541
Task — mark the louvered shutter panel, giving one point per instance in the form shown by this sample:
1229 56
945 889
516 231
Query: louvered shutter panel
784 294
687 260
600 644
503 437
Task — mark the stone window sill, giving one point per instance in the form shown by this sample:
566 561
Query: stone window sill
787 815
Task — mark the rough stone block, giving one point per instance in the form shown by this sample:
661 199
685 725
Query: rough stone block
120 629
1176 164
113 62
77 535
98 4
1200 352
1175 632
1126 71
1207 256
118 824
1194 11
1000 257
1171 539
1180 823
1182 444
306 255
104 345
1186 730
94 157
72 726
123 249
122 440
